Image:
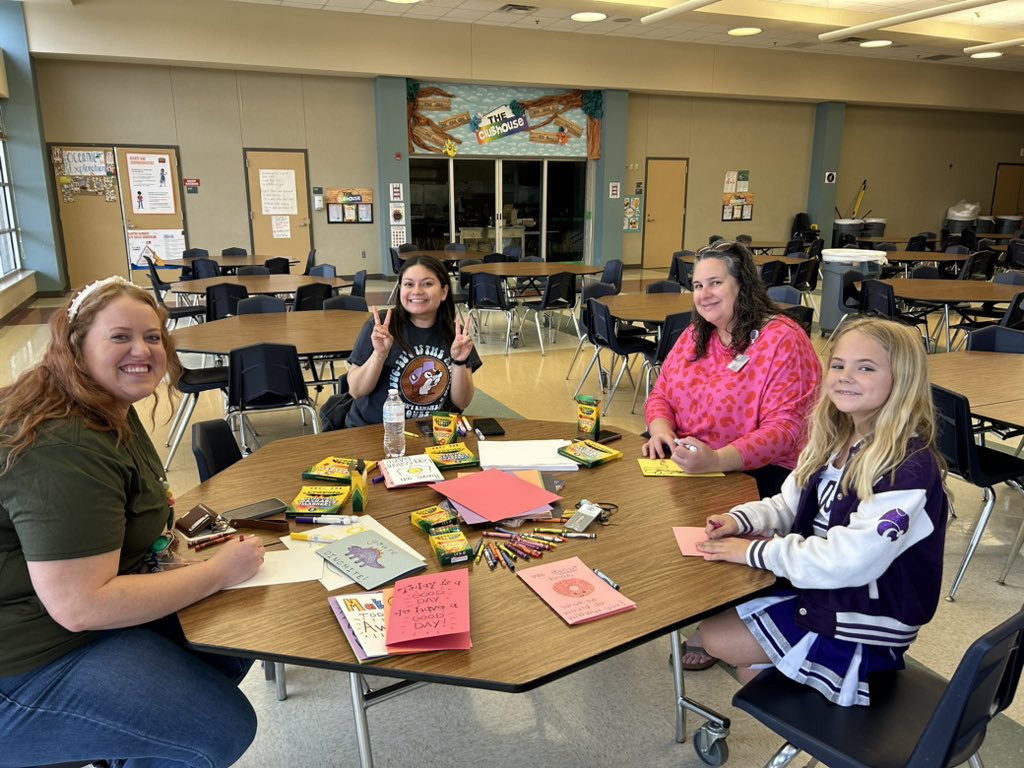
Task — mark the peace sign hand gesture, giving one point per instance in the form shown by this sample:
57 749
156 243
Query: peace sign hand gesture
462 345
381 337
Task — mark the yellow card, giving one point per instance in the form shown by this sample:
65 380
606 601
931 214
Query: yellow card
668 468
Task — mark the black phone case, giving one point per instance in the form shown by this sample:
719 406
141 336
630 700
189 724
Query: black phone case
488 426
256 510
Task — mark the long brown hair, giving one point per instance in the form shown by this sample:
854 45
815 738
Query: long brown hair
753 307
60 386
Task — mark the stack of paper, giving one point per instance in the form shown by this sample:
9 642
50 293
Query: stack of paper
495 495
400 620
525 454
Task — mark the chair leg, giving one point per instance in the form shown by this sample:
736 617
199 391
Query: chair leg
615 387
540 335
1017 541
986 513
177 416
786 754
596 358
579 347
974 761
279 681
181 424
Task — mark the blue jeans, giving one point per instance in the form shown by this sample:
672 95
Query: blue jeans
136 697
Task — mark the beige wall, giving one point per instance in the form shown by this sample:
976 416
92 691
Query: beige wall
211 115
770 139
213 33
919 162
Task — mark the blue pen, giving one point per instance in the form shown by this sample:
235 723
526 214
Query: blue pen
328 520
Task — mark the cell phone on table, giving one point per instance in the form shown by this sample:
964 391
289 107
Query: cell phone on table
605 436
256 511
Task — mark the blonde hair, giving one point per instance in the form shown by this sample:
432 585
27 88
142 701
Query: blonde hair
907 413
60 386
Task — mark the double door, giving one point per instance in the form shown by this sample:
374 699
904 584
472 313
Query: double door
489 205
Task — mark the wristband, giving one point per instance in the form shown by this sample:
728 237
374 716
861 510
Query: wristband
461 362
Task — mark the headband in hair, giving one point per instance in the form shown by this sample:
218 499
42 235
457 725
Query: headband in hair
89 290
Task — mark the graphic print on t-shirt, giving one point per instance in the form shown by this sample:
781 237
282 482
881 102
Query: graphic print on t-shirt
423 380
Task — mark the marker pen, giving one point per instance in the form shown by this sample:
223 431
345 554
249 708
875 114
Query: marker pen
211 542
687 446
328 519
479 434
317 537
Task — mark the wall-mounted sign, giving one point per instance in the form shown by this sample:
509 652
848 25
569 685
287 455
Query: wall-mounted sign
85 162
349 195
149 177
499 123
191 186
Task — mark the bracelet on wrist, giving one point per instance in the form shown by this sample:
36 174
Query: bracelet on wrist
461 362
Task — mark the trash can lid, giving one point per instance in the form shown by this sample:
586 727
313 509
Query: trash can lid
848 222
852 255
875 221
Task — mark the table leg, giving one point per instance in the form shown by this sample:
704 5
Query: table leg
677 678
355 685
945 318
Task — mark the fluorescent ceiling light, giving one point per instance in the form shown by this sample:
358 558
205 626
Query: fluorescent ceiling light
588 16
745 31
690 5
876 44
987 55
929 13
994 46
402 2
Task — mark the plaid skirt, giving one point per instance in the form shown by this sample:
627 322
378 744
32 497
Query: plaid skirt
837 669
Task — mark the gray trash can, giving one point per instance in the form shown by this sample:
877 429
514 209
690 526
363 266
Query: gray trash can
842 227
957 225
874 228
985 225
1007 225
836 262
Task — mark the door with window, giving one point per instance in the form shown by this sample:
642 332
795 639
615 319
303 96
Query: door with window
279 203
665 220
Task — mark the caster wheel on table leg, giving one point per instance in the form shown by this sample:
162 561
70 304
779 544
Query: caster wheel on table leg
710 749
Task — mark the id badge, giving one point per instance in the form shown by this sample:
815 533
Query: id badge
738 362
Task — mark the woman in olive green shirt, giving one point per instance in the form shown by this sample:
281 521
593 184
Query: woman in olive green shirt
93 665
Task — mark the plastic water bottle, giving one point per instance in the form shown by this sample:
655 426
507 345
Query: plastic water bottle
394 425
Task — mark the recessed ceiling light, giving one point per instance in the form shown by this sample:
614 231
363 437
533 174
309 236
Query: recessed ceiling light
987 55
876 44
745 31
588 16
403 2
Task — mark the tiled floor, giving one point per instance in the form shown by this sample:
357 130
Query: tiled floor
617 713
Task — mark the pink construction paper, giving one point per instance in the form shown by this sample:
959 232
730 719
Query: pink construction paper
495 495
430 613
688 538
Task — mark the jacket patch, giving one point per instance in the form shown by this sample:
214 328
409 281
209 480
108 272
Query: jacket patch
893 524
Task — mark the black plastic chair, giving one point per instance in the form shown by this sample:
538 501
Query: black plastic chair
214 446
591 290
496 258
193 312
917 243
603 331
462 280
1015 254
234 251
193 382
916 718
396 260
266 377
203 268
325 270
879 299
411 247
671 330
252 269
310 262
559 296
975 464
513 252
787 294
312 296
795 245
849 297
663 286
773 273
195 253
529 285
347 301
222 300
805 279
487 293
999 338
612 274
278 266
258 305
680 271
979 266
359 284
973 322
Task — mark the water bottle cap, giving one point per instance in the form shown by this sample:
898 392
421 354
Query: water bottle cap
393 392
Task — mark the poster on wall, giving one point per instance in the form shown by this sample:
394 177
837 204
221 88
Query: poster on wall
149 176
397 236
281 227
631 213
738 206
467 119
396 191
85 162
158 244
397 213
277 192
